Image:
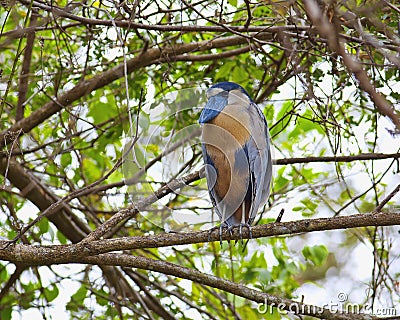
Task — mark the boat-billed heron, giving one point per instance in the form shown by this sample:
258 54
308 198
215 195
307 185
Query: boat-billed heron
236 152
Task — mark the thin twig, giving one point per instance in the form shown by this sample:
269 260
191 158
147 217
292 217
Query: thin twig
387 199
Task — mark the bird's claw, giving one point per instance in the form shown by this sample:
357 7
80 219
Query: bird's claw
246 225
230 230
219 228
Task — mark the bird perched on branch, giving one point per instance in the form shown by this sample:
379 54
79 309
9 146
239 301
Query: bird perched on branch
236 152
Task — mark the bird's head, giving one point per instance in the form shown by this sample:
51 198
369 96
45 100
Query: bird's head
220 95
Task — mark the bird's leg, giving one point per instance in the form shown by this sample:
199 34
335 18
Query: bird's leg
220 233
250 232
223 214
246 225
243 223
220 227
226 225
224 218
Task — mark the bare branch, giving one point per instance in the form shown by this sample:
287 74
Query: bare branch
359 157
237 289
387 199
43 255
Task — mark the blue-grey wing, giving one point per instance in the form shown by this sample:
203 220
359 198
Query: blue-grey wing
260 162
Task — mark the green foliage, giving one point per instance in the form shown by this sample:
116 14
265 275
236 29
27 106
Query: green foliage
77 299
151 72
283 118
315 254
5 313
50 293
3 273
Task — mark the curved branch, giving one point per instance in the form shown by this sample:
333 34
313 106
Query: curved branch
44 255
282 304
261 231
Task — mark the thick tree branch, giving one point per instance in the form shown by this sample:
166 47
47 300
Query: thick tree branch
237 289
211 56
266 230
358 157
40 255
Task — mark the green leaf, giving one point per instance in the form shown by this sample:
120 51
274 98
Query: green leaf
66 159
80 295
144 121
61 237
91 169
366 206
51 292
282 118
77 299
316 254
305 124
238 76
3 274
5 314
280 181
225 70
102 111
100 298
43 225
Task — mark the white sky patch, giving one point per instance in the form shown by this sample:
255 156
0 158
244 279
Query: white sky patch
32 313
27 211
112 34
362 261
113 53
186 284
